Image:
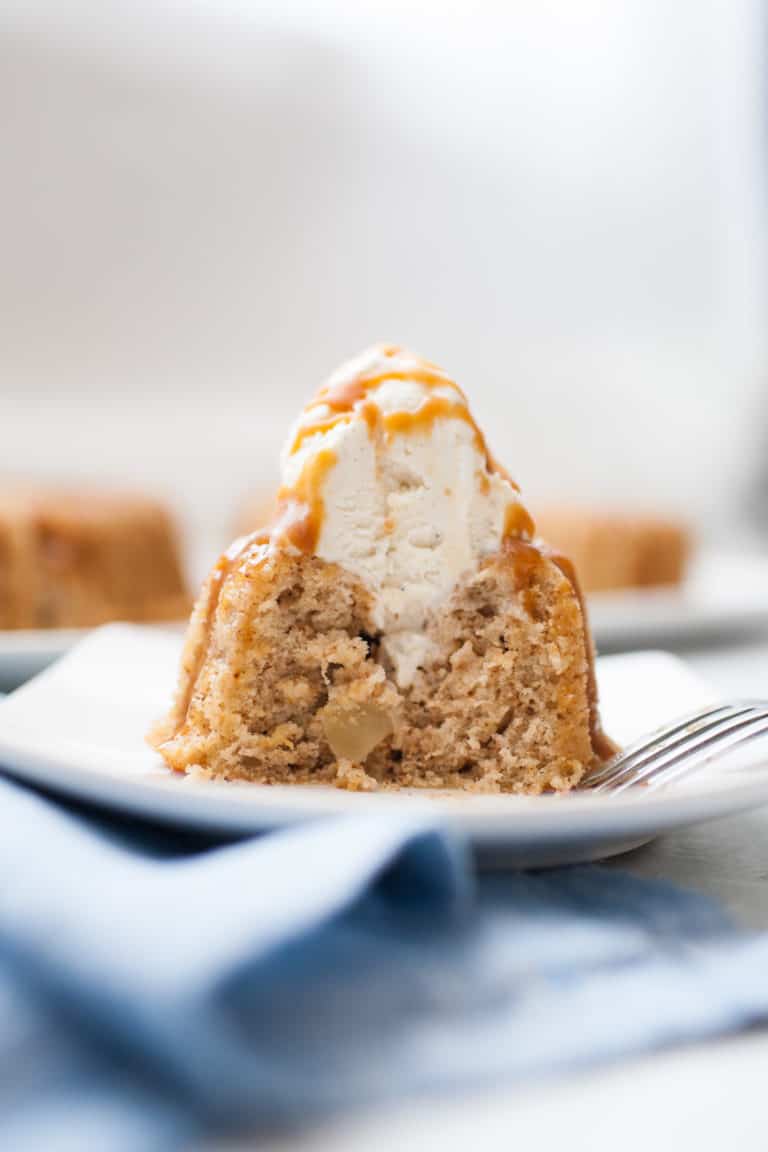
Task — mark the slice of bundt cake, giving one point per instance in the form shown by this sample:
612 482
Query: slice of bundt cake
397 626
613 549
77 557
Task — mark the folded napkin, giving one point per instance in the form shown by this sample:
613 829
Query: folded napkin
153 988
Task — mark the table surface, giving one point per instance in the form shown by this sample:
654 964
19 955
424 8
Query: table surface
709 1096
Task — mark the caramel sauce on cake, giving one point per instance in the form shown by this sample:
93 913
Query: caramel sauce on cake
602 745
527 559
422 419
406 630
317 428
304 531
518 521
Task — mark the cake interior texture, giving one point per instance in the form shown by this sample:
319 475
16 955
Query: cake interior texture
284 680
81 558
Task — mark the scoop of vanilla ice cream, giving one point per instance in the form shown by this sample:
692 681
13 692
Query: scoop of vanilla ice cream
410 510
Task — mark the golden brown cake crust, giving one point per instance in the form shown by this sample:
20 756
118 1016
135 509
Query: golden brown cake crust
77 558
283 680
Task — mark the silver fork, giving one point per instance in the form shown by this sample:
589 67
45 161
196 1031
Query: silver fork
681 747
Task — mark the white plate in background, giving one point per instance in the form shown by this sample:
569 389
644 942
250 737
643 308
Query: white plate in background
725 596
80 727
24 652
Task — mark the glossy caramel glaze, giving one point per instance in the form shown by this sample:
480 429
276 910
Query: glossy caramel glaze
344 398
518 522
304 531
602 745
317 428
343 394
526 558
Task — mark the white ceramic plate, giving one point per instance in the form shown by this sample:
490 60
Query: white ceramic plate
79 729
26 651
725 595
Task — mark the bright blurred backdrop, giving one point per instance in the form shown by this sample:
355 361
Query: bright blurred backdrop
207 205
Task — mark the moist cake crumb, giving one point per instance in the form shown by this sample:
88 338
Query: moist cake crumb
283 664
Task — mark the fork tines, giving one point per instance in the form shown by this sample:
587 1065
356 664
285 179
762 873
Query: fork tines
685 745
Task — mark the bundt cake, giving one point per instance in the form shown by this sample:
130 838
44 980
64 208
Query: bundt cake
613 550
397 625
76 558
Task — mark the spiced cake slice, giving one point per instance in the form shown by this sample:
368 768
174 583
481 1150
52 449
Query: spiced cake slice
77 557
398 625
615 550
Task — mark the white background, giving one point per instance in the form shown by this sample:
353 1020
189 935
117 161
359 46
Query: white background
206 206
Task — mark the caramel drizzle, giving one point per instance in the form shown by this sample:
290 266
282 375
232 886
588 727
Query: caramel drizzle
526 556
602 745
317 428
346 398
518 521
304 532
344 395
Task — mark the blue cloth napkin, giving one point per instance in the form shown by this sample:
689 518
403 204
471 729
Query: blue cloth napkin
153 988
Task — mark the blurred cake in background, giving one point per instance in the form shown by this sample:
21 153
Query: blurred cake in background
77 558
613 550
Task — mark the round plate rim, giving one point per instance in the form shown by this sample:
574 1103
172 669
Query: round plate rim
578 817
